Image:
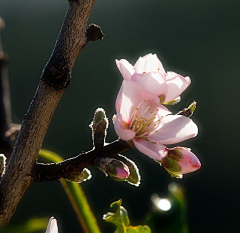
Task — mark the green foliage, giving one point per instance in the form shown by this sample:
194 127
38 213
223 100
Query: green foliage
121 221
32 225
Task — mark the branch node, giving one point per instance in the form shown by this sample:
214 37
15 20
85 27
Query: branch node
57 77
94 33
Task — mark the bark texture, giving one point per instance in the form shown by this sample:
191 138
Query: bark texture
55 78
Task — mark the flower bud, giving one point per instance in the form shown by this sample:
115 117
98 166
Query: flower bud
134 176
79 177
2 164
99 115
180 160
99 126
187 112
52 226
116 169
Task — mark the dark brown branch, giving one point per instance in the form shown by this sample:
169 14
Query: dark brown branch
57 72
55 78
55 171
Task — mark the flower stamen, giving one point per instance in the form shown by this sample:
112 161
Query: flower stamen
144 122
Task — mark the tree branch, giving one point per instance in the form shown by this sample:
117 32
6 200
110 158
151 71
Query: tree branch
55 78
55 171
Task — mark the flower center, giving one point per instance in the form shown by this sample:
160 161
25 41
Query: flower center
144 121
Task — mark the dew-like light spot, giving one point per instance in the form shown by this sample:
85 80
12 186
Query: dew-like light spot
164 204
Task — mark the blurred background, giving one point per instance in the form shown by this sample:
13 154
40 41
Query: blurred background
200 39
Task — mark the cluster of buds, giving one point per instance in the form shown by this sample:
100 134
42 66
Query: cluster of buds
118 168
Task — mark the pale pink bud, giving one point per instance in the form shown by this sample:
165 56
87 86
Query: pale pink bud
134 176
180 160
122 172
116 169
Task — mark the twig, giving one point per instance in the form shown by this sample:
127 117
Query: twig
55 171
55 78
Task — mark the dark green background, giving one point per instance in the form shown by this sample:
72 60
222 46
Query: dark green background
199 38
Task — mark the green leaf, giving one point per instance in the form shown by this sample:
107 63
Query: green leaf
121 221
30 226
120 218
139 229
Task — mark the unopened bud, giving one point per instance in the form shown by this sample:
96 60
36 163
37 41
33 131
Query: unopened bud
99 127
52 226
187 112
2 164
172 102
134 176
79 177
99 115
116 169
180 160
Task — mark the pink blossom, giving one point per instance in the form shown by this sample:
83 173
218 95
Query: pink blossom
180 160
52 226
141 118
149 73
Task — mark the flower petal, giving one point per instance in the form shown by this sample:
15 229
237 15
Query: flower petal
132 95
163 111
176 85
52 226
152 82
119 100
121 130
153 150
189 162
125 68
149 63
174 129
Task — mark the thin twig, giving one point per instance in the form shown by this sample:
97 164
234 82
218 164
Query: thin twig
55 171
